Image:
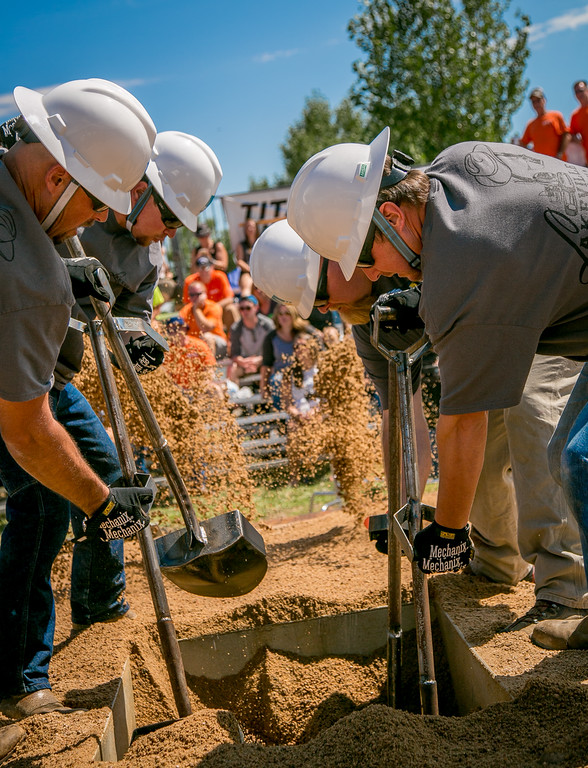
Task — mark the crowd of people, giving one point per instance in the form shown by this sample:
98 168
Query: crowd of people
483 251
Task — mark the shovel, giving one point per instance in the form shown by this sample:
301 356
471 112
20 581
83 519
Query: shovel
220 557
407 520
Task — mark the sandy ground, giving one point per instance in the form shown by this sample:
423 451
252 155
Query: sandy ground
287 711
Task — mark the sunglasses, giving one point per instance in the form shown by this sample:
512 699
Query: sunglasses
97 205
321 298
169 219
247 308
366 260
193 293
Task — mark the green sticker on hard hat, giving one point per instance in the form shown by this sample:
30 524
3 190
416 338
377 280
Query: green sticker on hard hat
363 170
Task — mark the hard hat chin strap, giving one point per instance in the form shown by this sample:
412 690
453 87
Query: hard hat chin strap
138 207
66 196
414 259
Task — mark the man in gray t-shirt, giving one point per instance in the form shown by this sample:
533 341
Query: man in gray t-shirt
247 337
497 235
53 180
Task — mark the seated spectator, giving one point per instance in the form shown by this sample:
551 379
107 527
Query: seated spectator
247 336
243 255
189 358
278 350
217 287
267 305
204 319
216 250
298 382
331 336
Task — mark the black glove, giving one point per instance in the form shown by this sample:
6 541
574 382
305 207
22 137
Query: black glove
439 549
406 305
145 353
89 278
121 515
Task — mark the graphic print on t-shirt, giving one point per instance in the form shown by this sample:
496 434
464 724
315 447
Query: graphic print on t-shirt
7 234
566 191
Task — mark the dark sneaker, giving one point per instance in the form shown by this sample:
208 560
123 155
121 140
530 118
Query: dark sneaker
562 635
544 610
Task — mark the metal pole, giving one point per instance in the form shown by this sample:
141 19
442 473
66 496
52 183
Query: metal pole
165 626
394 634
427 681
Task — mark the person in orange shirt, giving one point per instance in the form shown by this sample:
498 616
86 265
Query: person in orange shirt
203 318
579 119
217 285
548 132
190 358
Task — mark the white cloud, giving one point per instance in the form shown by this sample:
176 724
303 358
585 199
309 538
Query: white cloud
570 20
265 58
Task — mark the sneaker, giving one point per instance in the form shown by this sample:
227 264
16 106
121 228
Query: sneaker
562 635
77 628
544 610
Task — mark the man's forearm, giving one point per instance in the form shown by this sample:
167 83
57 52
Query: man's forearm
45 450
461 442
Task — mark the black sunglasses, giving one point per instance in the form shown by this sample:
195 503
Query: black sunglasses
169 219
321 298
97 205
366 260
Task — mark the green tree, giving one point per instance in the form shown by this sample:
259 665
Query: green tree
438 74
319 127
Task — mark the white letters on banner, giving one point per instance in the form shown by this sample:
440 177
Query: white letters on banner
263 205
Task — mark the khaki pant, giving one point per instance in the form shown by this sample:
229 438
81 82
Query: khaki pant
520 517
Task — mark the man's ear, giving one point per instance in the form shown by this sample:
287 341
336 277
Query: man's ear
137 191
56 179
393 214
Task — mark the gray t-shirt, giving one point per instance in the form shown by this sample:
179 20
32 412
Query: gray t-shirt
133 271
35 298
504 258
374 362
248 342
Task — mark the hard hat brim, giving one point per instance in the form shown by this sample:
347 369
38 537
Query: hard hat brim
378 152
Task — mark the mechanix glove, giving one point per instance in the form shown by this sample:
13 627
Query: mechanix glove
405 304
438 549
124 513
89 278
145 353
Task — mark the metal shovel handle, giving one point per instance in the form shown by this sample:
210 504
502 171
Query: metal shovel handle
158 441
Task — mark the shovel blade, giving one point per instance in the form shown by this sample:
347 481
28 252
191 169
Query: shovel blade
231 563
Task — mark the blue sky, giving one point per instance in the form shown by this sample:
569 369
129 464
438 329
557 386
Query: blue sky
237 74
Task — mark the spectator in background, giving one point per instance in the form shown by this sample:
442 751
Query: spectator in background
548 132
243 255
204 319
267 305
217 287
331 336
278 350
216 250
298 383
189 357
579 119
247 336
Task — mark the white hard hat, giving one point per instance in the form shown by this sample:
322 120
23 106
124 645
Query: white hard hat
333 196
97 131
185 173
284 267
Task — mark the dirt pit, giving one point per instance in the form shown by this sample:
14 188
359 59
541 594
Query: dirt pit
284 710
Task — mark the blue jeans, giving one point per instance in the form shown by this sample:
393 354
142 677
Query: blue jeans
568 456
37 524
97 574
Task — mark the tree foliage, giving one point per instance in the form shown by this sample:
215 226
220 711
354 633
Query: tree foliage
438 74
320 127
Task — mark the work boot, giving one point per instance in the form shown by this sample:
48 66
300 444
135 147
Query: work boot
77 628
37 703
544 610
10 735
561 635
